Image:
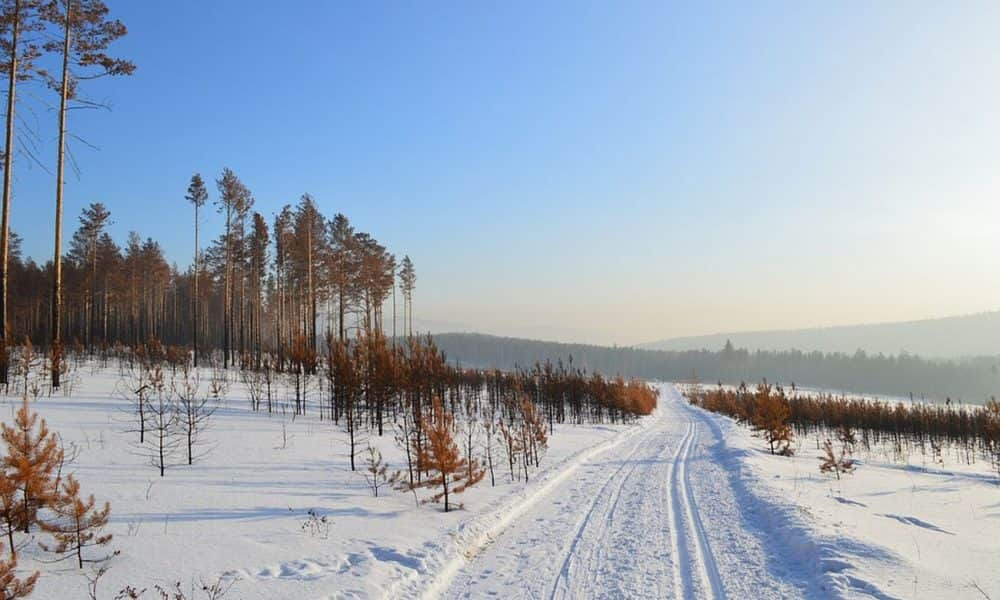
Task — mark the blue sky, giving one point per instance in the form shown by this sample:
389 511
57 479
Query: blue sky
602 172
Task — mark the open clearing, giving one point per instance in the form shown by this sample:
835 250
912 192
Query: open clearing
682 504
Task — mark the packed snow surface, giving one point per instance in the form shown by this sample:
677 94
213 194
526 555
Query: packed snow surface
683 504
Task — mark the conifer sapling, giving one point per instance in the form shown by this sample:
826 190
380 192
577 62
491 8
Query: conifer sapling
441 459
32 458
77 524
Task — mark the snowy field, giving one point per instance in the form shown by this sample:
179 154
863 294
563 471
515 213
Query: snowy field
682 504
240 511
891 529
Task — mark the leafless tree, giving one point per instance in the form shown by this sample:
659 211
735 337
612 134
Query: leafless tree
163 430
194 414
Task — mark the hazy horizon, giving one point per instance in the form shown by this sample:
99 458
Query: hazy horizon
619 174
676 342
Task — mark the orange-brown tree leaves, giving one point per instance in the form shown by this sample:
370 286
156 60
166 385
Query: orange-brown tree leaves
77 523
12 587
770 419
440 458
32 460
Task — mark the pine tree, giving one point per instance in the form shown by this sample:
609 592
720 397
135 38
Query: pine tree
770 419
11 587
407 282
77 524
259 238
346 382
533 425
378 278
342 267
84 251
10 508
19 53
234 201
308 251
282 230
196 195
377 472
86 33
835 463
442 460
32 460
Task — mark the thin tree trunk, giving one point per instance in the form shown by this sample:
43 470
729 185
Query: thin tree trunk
195 303
7 163
57 255
92 317
340 310
312 292
226 308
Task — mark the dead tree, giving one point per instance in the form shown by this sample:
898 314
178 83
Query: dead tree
405 434
162 424
194 413
490 431
136 386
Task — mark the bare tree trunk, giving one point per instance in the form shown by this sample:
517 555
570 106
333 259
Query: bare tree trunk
196 277
57 254
394 309
312 292
340 310
105 309
226 308
279 321
92 318
7 160
243 302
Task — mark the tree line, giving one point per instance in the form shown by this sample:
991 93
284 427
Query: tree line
453 425
896 429
369 387
254 291
972 379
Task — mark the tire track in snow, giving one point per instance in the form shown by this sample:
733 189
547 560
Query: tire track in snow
631 556
690 541
560 585
473 547
628 526
682 573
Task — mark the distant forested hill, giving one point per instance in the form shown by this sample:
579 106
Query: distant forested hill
970 379
949 337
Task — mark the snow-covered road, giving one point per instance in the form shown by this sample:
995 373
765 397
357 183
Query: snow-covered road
653 517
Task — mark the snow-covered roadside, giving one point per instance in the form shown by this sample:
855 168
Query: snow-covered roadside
886 531
682 504
653 517
240 511
476 533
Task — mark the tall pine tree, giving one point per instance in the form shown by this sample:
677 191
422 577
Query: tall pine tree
196 195
86 34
